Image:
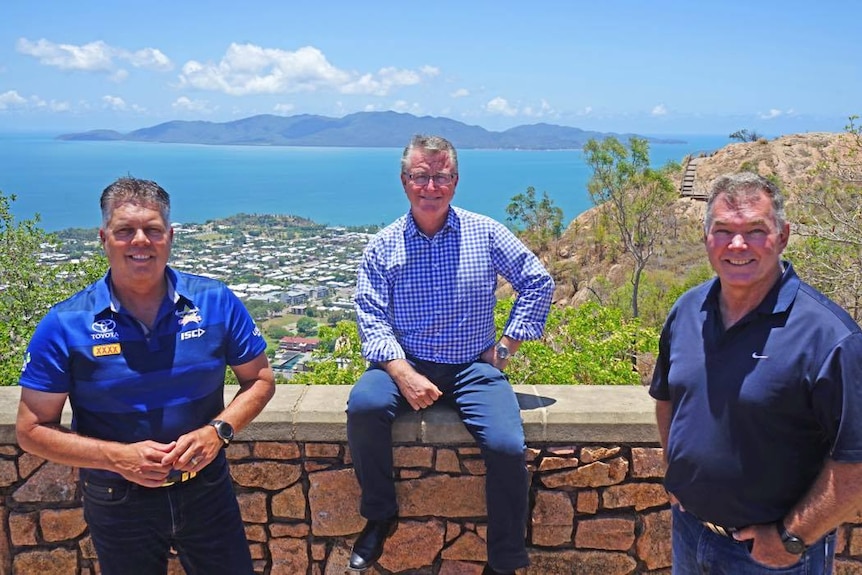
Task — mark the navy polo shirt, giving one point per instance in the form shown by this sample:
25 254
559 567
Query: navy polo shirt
758 407
128 384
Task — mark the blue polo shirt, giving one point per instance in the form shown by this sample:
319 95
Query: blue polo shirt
128 384
758 407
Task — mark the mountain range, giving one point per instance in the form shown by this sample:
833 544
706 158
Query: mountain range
362 129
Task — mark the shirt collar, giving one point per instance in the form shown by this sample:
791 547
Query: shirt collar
779 298
453 221
106 301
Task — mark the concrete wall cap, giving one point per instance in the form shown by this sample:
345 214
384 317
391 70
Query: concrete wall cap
550 413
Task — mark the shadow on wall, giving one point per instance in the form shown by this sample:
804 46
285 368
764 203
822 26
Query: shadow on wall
533 401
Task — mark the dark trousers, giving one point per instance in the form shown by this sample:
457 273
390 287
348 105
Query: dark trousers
486 402
697 550
133 527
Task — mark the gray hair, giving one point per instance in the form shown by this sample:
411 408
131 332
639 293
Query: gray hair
742 187
135 191
433 144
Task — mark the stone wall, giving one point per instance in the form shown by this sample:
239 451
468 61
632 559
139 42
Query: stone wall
596 500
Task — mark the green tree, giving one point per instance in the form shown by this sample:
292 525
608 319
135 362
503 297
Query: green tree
28 287
590 345
537 222
639 199
262 310
337 360
276 332
745 136
306 326
829 219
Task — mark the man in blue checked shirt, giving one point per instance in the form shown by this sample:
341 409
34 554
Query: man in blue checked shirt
425 302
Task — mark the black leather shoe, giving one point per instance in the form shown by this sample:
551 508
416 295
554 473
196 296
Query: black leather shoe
489 571
369 545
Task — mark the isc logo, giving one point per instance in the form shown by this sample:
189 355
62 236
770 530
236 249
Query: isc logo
191 334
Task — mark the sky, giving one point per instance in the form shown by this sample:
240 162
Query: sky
650 67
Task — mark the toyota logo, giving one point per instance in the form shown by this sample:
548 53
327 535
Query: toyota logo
104 326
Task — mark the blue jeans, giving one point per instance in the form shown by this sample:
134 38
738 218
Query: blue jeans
696 549
486 402
133 527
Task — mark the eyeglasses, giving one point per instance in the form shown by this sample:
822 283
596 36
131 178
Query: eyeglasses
422 180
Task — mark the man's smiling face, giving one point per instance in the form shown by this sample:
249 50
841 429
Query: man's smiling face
137 242
744 243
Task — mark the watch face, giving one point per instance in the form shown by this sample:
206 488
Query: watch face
502 351
224 430
794 545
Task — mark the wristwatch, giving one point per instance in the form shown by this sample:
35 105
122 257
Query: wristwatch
792 543
502 351
224 430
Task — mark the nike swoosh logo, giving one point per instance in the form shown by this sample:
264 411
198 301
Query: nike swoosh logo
754 355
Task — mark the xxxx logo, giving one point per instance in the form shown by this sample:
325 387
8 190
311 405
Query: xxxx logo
106 349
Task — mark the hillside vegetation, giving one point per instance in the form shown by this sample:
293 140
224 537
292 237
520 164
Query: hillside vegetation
588 263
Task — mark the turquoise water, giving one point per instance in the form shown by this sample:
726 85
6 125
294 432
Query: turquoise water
61 181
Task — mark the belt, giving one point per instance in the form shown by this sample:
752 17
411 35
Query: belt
719 530
171 480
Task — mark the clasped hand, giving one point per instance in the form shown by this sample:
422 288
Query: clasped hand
148 463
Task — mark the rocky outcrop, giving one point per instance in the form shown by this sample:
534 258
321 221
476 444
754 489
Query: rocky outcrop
584 259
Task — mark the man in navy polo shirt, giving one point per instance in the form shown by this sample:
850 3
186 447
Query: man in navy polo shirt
759 395
141 356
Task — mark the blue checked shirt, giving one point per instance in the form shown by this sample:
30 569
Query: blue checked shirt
433 298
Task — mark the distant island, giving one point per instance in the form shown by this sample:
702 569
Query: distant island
359 130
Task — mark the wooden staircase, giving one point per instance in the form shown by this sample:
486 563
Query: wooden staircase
688 189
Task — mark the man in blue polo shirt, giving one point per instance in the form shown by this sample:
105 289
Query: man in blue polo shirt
759 395
141 356
425 306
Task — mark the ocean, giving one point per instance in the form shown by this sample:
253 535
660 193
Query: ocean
61 181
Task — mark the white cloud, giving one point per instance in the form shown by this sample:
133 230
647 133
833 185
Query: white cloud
53 105
92 57
249 69
11 99
660 110
543 110
404 106
501 107
460 93
773 113
187 104
148 58
119 105
120 75
283 108
386 79
586 111
56 106
114 102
